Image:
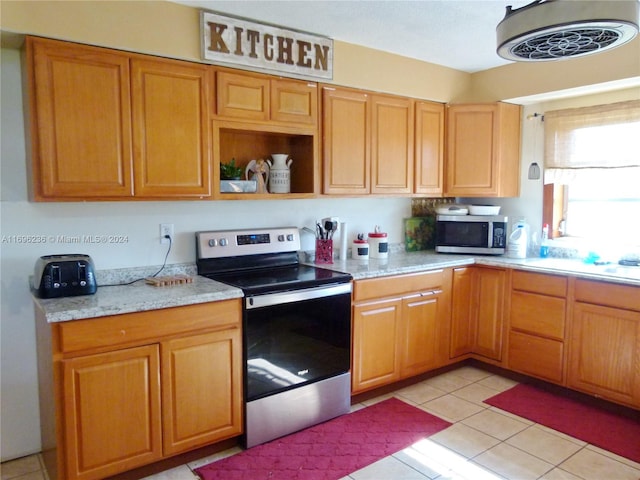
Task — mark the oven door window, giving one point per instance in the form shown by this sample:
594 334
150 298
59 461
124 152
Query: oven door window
462 234
292 344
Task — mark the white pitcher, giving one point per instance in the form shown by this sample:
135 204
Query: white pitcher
279 173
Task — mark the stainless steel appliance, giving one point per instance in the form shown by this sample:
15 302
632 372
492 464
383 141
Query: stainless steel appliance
296 329
475 234
64 275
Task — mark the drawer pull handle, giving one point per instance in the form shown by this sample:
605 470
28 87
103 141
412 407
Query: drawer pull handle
432 292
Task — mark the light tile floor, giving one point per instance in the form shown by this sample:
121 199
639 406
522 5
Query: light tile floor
484 443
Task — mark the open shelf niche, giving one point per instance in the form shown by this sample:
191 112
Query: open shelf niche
246 142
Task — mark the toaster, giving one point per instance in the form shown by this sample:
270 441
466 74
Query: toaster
64 276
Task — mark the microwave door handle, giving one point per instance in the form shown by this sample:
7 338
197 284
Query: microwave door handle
490 239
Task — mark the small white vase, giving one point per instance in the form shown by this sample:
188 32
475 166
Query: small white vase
280 173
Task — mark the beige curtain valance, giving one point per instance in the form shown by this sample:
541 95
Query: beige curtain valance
597 137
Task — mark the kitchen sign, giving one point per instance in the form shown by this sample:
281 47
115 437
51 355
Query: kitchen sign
258 46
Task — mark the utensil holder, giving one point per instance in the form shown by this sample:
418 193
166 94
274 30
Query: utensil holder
324 250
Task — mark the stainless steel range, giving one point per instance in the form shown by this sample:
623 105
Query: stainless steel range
296 329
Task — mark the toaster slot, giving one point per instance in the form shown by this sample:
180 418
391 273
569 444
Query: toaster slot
55 276
82 274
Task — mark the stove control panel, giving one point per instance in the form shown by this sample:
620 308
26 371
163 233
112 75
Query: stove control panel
232 243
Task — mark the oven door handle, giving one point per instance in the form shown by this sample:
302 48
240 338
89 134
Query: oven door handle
269 299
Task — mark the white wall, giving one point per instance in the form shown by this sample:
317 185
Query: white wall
139 221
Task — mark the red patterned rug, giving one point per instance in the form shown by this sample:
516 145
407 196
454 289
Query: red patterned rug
333 449
616 433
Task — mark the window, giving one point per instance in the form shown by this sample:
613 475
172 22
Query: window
595 153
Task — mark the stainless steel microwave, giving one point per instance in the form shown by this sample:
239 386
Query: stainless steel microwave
476 234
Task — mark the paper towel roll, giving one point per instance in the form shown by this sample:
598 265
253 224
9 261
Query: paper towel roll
343 240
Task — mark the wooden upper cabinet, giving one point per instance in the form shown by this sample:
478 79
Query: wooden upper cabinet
242 95
256 97
346 141
376 144
107 125
294 101
80 121
391 144
172 154
483 150
429 148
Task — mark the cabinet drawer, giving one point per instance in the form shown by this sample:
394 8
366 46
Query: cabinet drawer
540 283
295 102
536 356
153 324
398 284
538 314
243 96
612 295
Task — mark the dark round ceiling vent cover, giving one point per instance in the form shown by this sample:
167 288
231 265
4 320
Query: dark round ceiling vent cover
556 29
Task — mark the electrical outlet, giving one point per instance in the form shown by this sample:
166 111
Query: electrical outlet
166 229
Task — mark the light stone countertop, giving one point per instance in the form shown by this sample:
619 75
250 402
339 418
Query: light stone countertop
407 262
141 297
137 297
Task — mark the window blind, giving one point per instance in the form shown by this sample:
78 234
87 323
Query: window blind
579 141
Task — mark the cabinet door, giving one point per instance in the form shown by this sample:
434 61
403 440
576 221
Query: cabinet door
421 336
294 102
376 327
483 150
81 121
202 393
391 144
243 96
472 138
429 148
490 287
111 412
171 137
605 352
462 324
346 143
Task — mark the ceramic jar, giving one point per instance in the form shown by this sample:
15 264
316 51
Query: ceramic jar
280 173
378 244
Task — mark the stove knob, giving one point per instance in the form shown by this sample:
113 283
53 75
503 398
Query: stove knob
281 238
223 242
290 237
213 242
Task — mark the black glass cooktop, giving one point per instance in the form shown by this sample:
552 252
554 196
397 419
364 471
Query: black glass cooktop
280 278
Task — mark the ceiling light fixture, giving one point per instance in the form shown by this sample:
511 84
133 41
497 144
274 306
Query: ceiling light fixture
555 29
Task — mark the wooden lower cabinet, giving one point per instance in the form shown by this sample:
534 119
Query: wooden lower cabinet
376 327
478 311
132 389
424 330
112 412
605 342
199 372
537 325
401 335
